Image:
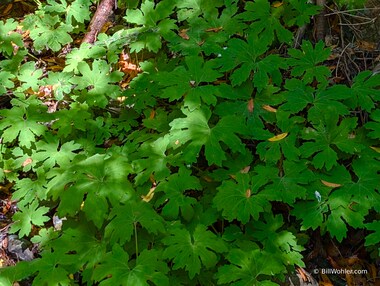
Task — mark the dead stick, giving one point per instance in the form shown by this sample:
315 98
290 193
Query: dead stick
320 25
99 19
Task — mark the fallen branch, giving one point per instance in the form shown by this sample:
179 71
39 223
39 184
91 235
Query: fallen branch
320 25
99 19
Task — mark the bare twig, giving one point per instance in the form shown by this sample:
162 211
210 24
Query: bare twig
352 10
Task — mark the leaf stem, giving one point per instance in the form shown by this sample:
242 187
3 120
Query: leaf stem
136 240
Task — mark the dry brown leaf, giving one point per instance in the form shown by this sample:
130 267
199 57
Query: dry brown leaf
377 149
245 170
183 34
149 195
367 46
152 114
278 137
248 193
250 105
232 177
27 162
331 185
353 260
207 179
215 30
277 4
269 108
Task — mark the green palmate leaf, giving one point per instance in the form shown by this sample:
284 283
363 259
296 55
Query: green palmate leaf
374 125
27 190
327 105
247 57
6 81
317 196
71 120
195 132
155 22
325 138
339 201
373 238
116 269
249 268
125 218
23 121
174 199
79 246
12 65
30 76
291 183
50 33
78 55
78 10
55 7
45 235
234 164
314 217
192 82
51 271
281 244
21 159
298 96
242 199
300 12
60 83
9 37
192 250
364 190
272 149
27 216
151 159
343 212
51 152
266 21
365 91
95 182
207 33
138 95
306 63
191 9
22 270
99 82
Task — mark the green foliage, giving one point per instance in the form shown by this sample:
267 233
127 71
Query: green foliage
306 62
175 175
115 269
249 268
49 32
195 130
155 23
9 37
248 57
266 21
23 121
325 137
28 216
192 250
